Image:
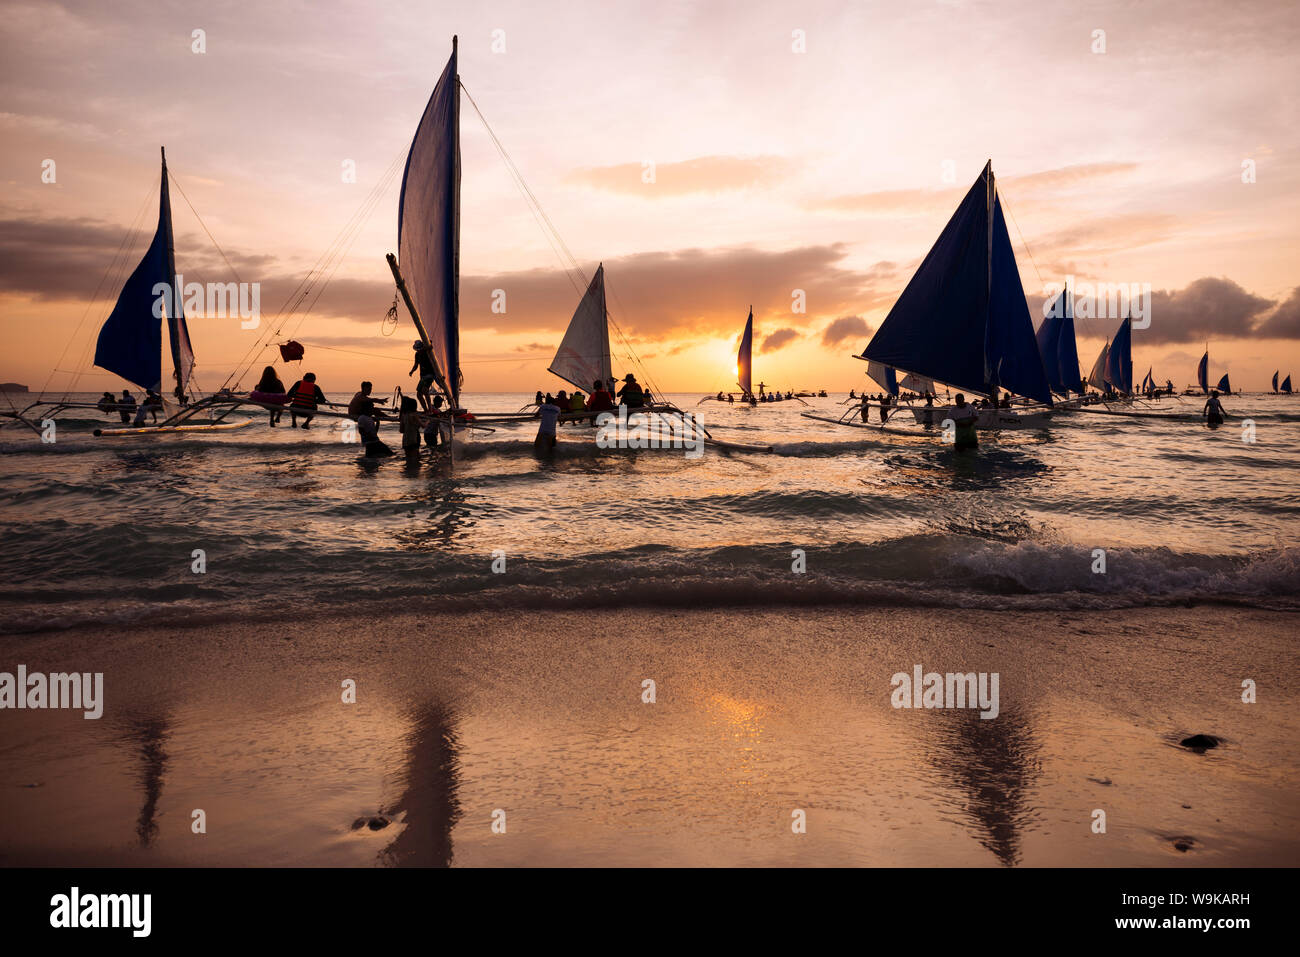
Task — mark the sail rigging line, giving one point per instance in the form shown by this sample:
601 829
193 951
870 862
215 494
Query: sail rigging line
330 259
112 275
568 262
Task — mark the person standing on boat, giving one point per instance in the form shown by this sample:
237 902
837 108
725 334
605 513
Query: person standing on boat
303 399
1213 411
964 418
545 441
270 389
126 406
423 362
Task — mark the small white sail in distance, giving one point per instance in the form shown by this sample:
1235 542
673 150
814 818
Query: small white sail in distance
583 356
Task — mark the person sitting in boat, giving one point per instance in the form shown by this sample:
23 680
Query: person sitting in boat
631 395
1213 411
601 400
1006 401
107 403
303 399
150 406
368 429
423 362
562 400
126 406
578 403
964 418
537 399
270 390
364 404
545 441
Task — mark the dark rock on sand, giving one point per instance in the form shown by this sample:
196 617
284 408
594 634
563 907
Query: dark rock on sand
1200 742
376 823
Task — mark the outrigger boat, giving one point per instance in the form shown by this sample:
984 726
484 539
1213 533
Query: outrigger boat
963 320
745 381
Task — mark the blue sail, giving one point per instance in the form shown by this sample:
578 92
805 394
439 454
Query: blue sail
1286 384
130 341
428 227
1275 380
1067 351
1119 361
1224 386
1049 344
1203 372
744 356
963 319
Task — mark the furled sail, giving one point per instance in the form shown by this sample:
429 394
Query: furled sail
1097 377
428 227
583 356
963 319
1203 372
1119 360
130 341
744 358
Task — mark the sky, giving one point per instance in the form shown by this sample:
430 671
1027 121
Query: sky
813 146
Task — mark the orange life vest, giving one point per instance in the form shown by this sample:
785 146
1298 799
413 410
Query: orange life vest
304 397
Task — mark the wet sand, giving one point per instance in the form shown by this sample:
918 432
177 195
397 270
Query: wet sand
759 713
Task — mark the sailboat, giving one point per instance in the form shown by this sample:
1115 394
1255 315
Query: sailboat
745 360
427 273
1119 359
1058 349
963 320
1097 376
1224 387
1286 386
584 357
130 340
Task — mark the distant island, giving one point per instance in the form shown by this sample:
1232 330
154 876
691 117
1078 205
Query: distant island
12 387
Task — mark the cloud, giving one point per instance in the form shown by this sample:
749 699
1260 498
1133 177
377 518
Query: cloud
780 338
1284 322
1208 308
845 327
706 174
917 201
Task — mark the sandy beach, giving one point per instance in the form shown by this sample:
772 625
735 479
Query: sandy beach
536 722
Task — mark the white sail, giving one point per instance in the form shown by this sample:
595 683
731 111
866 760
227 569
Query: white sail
883 376
583 356
916 383
1097 377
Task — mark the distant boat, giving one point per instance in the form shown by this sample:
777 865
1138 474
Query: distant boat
745 359
1097 377
1224 386
1058 348
1203 371
1119 359
1286 386
963 319
1275 381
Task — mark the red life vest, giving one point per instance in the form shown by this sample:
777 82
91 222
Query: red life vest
304 397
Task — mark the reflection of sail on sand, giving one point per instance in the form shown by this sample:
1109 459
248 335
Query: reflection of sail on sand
428 805
150 732
994 763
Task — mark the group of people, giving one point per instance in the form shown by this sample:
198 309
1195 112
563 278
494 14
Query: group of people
601 399
128 409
